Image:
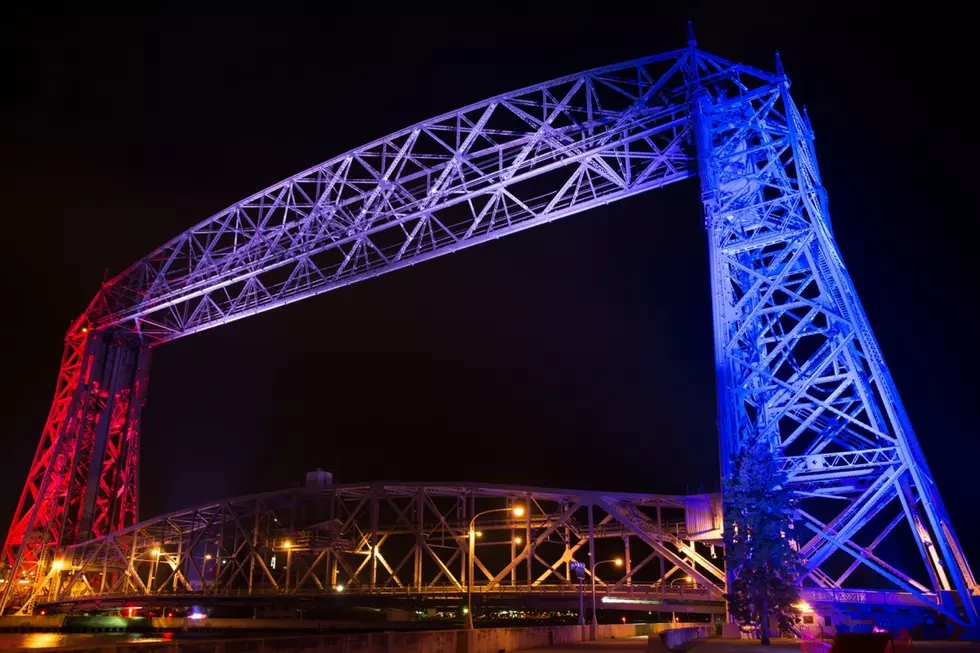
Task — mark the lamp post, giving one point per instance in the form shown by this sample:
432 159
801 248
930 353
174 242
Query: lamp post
619 563
289 560
155 554
204 570
579 569
518 512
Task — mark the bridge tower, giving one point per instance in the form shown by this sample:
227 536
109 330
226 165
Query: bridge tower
796 361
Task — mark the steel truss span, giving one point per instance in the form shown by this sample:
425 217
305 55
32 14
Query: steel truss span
796 360
403 540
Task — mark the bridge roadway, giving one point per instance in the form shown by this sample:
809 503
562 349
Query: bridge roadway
637 597
645 598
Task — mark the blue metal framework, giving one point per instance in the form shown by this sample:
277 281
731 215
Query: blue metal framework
797 363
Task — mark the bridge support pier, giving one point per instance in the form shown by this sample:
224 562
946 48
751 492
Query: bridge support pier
84 480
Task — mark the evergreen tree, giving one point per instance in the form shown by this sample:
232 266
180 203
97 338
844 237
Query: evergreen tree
760 547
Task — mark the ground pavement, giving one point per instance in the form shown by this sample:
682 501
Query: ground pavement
638 645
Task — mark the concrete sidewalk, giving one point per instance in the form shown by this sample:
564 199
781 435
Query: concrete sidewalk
783 645
638 644
625 645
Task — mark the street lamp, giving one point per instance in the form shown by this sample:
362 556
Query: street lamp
579 569
288 545
616 561
518 511
154 563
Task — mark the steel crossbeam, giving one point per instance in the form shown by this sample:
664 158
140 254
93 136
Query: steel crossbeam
796 361
299 549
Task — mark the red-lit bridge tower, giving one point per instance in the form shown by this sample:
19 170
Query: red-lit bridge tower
84 479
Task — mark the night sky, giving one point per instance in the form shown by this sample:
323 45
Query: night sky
577 354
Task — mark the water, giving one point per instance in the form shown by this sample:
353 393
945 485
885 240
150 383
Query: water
12 641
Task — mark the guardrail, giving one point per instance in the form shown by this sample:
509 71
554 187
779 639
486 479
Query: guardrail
866 597
633 591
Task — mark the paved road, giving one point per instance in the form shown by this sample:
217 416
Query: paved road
749 646
638 644
627 645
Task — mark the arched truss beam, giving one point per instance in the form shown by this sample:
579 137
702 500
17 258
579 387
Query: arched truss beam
409 540
481 172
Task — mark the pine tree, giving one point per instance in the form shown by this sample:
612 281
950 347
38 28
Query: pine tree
760 549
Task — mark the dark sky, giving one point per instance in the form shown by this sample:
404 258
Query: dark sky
577 354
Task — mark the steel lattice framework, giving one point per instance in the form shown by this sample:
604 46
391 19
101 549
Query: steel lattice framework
401 540
797 363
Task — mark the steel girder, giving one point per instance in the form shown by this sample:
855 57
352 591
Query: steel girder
797 362
471 175
406 540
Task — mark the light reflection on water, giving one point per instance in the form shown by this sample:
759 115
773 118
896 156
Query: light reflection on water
10 641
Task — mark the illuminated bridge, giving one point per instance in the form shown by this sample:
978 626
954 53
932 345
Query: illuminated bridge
797 363
407 541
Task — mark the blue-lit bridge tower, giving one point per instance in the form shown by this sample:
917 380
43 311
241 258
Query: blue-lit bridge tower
797 363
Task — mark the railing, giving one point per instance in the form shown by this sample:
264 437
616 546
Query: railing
555 590
639 591
866 597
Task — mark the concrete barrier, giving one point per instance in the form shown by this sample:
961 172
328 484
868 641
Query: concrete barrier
619 631
494 640
32 624
674 638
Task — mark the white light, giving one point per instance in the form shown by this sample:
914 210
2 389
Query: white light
197 615
340 588
613 599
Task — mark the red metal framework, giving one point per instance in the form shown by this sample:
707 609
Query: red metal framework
84 479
